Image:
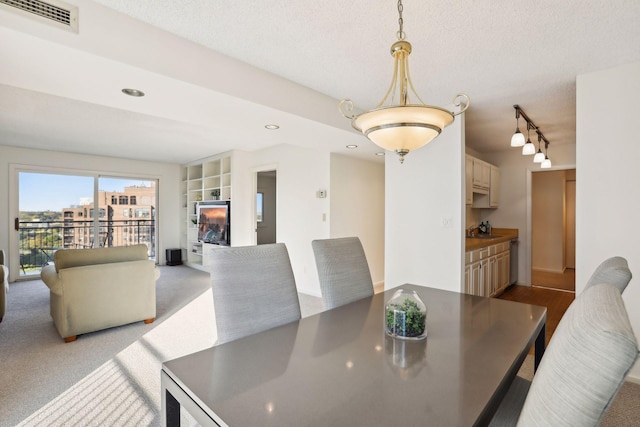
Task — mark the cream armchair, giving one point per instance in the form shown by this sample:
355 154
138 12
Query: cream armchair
4 285
94 289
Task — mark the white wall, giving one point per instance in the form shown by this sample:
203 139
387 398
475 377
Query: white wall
608 176
420 193
357 207
301 173
168 176
515 194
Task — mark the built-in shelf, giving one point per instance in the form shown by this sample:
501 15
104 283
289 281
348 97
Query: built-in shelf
200 182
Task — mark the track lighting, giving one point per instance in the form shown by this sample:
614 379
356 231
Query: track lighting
529 148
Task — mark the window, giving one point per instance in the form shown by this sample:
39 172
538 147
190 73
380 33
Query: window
259 206
142 213
125 212
132 200
114 200
124 200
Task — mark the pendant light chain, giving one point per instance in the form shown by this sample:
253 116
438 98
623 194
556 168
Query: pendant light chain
401 34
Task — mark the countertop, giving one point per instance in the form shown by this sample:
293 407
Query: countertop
505 234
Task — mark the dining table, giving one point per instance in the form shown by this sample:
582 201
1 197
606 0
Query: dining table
340 368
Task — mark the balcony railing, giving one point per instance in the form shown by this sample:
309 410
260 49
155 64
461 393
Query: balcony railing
39 240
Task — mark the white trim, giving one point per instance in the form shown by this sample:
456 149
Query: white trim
254 190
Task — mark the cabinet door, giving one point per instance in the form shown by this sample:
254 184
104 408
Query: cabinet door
476 278
494 190
486 175
468 286
504 266
485 274
469 180
477 172
492 285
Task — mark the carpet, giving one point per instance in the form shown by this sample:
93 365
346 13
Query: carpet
110 377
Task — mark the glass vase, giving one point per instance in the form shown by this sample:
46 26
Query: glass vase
405 316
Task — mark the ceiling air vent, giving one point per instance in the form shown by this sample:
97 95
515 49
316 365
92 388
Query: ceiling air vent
57 13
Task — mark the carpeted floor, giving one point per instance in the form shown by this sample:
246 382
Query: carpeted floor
111 377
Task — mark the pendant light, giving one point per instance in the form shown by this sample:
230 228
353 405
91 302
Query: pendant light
539 157
528 148
517 140
401 122
546 163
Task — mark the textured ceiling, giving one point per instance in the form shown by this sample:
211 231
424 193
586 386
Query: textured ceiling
498 52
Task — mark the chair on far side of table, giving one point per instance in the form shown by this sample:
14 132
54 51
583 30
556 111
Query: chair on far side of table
582 370
253 290
343 271
4 284
614 270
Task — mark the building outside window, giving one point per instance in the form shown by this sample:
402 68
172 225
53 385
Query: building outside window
114 200
124 200
132 200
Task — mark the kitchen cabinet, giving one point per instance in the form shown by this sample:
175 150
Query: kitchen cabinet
487 270
491 198
481 176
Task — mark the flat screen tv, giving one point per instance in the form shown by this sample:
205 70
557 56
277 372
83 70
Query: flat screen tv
214 222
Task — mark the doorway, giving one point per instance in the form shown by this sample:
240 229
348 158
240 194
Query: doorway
266 207
553 229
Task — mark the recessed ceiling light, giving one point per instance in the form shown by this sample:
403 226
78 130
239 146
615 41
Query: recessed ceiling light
133 92
380 153
272 127
352 146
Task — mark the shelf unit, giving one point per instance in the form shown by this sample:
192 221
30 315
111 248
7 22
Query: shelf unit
199 180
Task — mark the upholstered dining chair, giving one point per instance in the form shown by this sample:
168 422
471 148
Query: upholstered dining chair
253 290
343 271
614 270
588 358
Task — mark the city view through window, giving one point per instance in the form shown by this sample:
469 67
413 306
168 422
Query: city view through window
60 212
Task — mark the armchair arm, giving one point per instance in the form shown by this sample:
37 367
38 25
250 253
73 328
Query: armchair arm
50 277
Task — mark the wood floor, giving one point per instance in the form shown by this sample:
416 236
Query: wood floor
564 281
555 301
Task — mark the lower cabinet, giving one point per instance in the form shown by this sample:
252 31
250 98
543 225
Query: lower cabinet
487 270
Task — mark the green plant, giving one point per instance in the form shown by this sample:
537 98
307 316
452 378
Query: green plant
194 221
215 193
406 319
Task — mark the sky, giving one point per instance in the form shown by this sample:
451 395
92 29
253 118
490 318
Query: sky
42 192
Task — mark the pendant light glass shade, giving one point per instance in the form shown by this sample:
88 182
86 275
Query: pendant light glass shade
528 148
539 157
401 122
517 140
546 163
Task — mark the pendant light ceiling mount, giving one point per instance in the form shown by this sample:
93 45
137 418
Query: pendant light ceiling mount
401 122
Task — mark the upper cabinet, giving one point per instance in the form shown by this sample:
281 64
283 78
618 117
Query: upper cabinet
482 183
481 176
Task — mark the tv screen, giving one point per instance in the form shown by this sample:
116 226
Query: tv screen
214 223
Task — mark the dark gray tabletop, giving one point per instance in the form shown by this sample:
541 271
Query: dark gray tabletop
340 368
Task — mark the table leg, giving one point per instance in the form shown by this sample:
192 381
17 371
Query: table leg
172 410
540 347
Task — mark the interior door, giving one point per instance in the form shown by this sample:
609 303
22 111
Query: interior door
266 207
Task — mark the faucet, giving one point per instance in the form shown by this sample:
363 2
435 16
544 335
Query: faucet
471 231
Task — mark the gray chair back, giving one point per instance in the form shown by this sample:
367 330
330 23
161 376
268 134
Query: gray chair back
253 290
587 360
614 271
343 271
